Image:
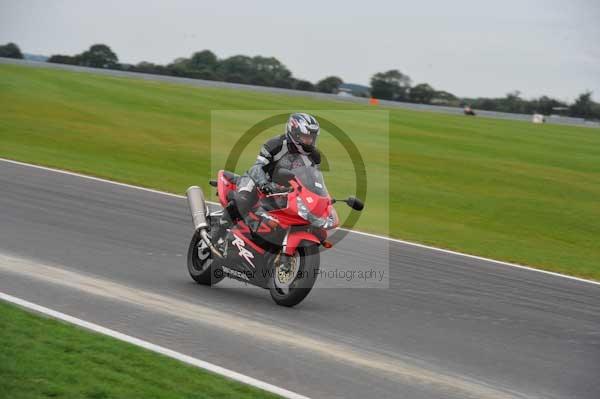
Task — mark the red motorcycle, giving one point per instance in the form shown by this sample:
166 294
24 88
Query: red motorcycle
301 216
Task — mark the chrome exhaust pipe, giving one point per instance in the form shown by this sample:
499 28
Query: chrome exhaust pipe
198 209
208 242
197 205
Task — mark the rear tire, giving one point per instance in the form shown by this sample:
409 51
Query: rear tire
199 270
309 260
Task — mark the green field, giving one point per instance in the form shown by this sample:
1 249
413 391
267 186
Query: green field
45 358
508 190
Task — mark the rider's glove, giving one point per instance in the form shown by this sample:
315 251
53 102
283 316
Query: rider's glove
270 188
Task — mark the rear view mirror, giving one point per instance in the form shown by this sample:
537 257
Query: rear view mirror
355 203
283 176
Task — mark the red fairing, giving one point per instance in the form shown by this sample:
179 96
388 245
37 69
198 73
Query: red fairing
295 238
317 207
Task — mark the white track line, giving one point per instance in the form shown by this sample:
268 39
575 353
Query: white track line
414 244
155 348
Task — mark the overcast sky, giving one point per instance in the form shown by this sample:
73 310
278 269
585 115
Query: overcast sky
470 48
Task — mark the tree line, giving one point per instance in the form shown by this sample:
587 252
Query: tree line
391 85
582 107
258 70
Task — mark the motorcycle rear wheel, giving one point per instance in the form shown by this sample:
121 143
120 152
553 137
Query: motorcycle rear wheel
308 259
201 270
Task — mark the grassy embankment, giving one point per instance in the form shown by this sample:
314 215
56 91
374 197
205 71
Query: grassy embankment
45 358
507 190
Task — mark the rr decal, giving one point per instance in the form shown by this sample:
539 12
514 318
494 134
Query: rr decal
244 253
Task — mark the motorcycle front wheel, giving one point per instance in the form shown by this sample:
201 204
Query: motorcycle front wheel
289 289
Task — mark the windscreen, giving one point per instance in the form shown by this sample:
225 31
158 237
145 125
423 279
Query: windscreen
311 179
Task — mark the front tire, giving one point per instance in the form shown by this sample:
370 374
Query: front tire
304 280
199 262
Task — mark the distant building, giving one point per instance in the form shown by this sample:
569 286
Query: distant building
355 89
35 57
538 118
344 92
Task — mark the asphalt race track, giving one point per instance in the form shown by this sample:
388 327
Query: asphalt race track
448 326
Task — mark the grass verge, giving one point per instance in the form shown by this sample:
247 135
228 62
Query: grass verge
508 190
46 358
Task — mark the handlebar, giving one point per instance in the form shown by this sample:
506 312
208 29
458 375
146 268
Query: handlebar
286 192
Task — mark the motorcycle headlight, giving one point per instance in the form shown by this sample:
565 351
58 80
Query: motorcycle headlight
329 222
304 213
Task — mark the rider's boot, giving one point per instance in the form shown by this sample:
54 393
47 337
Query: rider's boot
225 222
228 219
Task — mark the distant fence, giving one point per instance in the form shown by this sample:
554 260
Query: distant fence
560 120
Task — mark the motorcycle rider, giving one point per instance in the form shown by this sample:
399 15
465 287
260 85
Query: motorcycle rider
295 148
